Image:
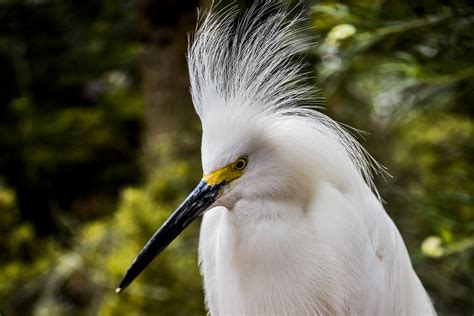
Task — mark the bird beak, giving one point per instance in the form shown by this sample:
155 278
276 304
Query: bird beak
202 197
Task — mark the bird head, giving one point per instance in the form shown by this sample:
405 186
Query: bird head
244 159
250 156
249 91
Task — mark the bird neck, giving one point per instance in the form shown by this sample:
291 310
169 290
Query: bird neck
259 261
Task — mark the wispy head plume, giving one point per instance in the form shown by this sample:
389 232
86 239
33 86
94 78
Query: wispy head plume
253 61
250 60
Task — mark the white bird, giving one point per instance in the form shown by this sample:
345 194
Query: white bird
293 224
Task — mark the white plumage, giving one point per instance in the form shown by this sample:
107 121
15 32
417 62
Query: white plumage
301 232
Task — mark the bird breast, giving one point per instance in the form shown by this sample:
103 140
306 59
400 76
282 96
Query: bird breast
266 266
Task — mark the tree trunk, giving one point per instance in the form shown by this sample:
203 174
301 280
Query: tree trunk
164 30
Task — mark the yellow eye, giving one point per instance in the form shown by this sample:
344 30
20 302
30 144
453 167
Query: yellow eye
240 164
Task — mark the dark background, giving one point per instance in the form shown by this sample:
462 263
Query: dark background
99 143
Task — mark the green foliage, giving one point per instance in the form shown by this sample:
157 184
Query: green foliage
71 108
172 284
70 124
83 279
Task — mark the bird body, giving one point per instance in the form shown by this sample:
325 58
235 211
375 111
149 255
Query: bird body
301 232
293 224
332 250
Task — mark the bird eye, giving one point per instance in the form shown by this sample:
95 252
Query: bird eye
240 163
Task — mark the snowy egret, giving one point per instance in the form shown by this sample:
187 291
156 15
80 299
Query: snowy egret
292 224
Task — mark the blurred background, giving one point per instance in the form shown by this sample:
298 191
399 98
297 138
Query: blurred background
99 143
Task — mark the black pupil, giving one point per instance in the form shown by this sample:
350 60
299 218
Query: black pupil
240 164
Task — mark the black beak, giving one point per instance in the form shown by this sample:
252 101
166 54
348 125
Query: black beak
202 197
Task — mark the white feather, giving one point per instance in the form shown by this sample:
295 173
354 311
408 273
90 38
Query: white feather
302 231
